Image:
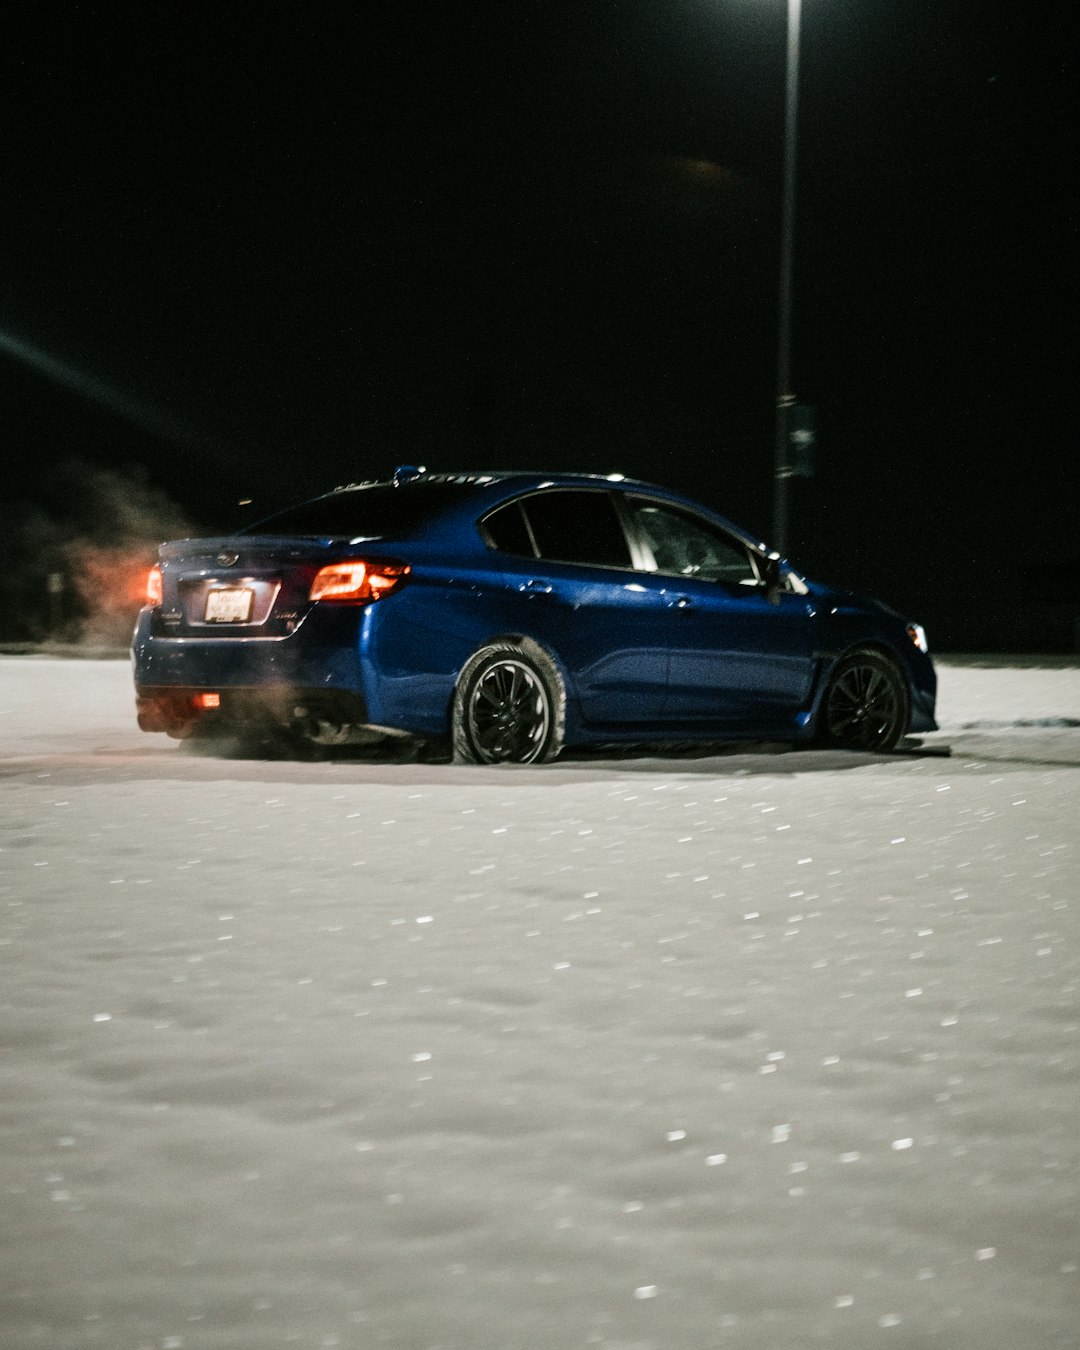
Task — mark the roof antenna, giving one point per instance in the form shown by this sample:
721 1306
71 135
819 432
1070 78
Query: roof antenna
404 472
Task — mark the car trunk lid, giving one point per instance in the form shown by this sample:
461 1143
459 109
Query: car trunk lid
244 587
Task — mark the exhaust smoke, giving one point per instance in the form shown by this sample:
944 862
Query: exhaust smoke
75 562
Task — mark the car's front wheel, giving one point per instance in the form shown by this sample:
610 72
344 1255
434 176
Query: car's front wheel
866 704
508 707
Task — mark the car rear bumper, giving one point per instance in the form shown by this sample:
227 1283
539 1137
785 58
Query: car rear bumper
180 710
324 652
248 679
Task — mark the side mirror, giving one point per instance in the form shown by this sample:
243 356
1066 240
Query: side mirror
774 581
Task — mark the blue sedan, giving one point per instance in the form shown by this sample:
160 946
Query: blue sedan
511 614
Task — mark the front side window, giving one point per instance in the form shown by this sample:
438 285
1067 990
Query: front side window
684 546
562 526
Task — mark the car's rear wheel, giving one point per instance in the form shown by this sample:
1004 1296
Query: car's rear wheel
508 707
866 704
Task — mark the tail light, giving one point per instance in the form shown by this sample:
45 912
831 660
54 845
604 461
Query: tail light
153 585
357 581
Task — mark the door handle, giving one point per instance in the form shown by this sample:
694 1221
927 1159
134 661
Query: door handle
535 587
680 602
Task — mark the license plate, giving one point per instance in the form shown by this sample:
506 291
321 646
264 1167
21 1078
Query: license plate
229 606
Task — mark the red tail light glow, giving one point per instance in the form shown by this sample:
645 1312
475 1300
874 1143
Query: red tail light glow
357 581
153 586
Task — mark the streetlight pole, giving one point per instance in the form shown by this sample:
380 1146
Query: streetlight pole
785 399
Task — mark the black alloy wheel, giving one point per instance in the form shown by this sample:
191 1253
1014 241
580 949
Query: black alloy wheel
508 709
866 705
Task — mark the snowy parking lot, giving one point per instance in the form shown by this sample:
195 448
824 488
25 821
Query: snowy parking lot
757 1050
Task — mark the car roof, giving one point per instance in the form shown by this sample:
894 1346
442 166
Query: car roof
508 483
406 475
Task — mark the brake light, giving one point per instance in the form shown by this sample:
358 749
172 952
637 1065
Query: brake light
153 585
357 581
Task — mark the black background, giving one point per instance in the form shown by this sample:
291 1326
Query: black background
279 247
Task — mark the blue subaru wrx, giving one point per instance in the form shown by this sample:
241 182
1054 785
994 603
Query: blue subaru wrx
511 614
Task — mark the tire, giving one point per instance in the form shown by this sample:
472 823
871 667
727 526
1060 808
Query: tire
509 706
865 705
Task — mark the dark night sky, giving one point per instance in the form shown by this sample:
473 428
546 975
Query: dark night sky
307 243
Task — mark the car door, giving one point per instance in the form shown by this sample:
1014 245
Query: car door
568 580
739 656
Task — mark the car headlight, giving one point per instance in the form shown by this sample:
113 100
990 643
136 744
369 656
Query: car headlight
917 633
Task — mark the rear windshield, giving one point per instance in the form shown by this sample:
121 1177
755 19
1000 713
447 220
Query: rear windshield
382 512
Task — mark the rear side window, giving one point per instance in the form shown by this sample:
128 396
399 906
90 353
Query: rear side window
566 526
507 530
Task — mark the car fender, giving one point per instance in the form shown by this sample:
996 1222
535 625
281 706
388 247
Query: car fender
827 666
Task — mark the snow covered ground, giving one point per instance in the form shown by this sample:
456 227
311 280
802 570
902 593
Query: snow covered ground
754 1050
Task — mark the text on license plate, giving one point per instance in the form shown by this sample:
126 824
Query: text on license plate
229 606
